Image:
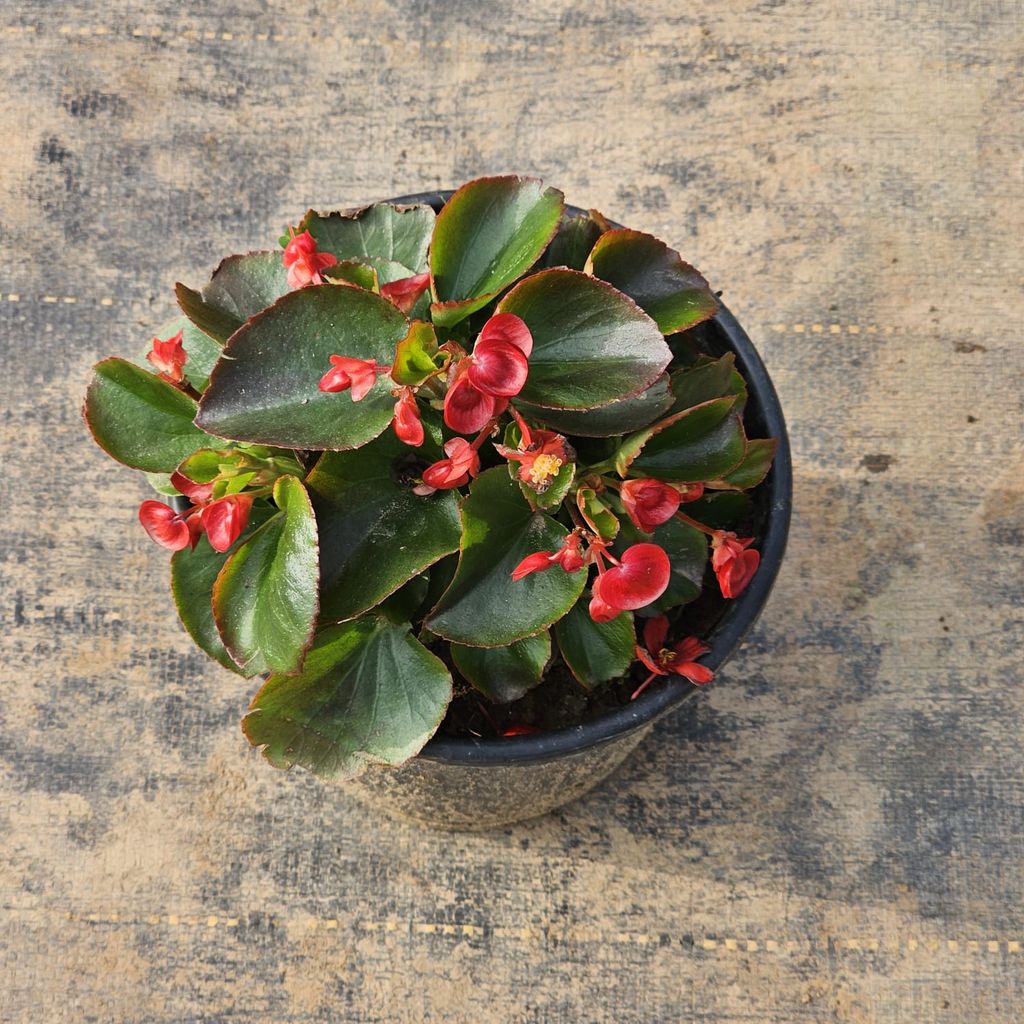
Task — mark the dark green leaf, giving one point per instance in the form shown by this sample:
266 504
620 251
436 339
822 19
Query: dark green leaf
616 418
504 674
193 574
701 443
595 651
397 234
655 277
484 606
265 598
489 233
240 287
265 389
753 469
375 534
139 419
572 244
591 344
368 693
721 510
401 606
706 380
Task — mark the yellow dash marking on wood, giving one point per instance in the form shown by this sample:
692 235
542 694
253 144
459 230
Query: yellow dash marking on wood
834 329
798 328
211 921
817 328
106 302
70 299
972 946
952 945
710 944
751 946
771 945
993 947
153 919
853 329
172 919
226 36
50 298
912 944
231 922
730 944
331 922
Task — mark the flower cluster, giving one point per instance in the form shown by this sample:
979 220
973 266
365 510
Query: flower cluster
221 520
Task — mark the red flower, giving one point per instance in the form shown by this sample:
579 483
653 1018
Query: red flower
640 578
198 494
169 358
407 423
358 374
679 660
168 528
690 492
541 454
601 611
485 380
303 261
405 292
568 556
225 519
462 463
467 409
733 562
649 502
499 362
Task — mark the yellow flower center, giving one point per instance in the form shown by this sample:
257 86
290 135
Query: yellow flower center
544 468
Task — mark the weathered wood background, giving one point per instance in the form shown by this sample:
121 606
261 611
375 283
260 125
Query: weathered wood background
835 832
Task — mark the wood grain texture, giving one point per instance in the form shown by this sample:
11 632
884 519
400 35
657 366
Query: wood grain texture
834 832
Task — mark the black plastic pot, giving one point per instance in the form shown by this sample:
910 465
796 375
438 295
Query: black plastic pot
483 783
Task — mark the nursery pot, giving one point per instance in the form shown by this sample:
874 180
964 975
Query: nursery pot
483 783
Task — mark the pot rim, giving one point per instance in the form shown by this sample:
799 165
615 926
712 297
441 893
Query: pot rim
724 637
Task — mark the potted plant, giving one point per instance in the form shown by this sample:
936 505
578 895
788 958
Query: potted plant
480 485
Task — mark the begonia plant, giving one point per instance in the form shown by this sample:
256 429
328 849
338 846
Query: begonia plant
411 455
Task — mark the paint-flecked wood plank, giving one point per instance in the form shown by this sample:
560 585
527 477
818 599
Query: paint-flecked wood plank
834 832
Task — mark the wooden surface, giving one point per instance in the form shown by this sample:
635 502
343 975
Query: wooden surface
835 833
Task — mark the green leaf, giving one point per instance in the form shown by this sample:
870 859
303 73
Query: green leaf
401 606
161 483
595 651
489 233
572 244
721 510
615 418
353 272
687 550
597 513
368 693
504 674
708 379
591 344
265 598
193 574
701 443
397 234
240 287
655 277
414 357
484 606
375 534
265 389
753 469
139 419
